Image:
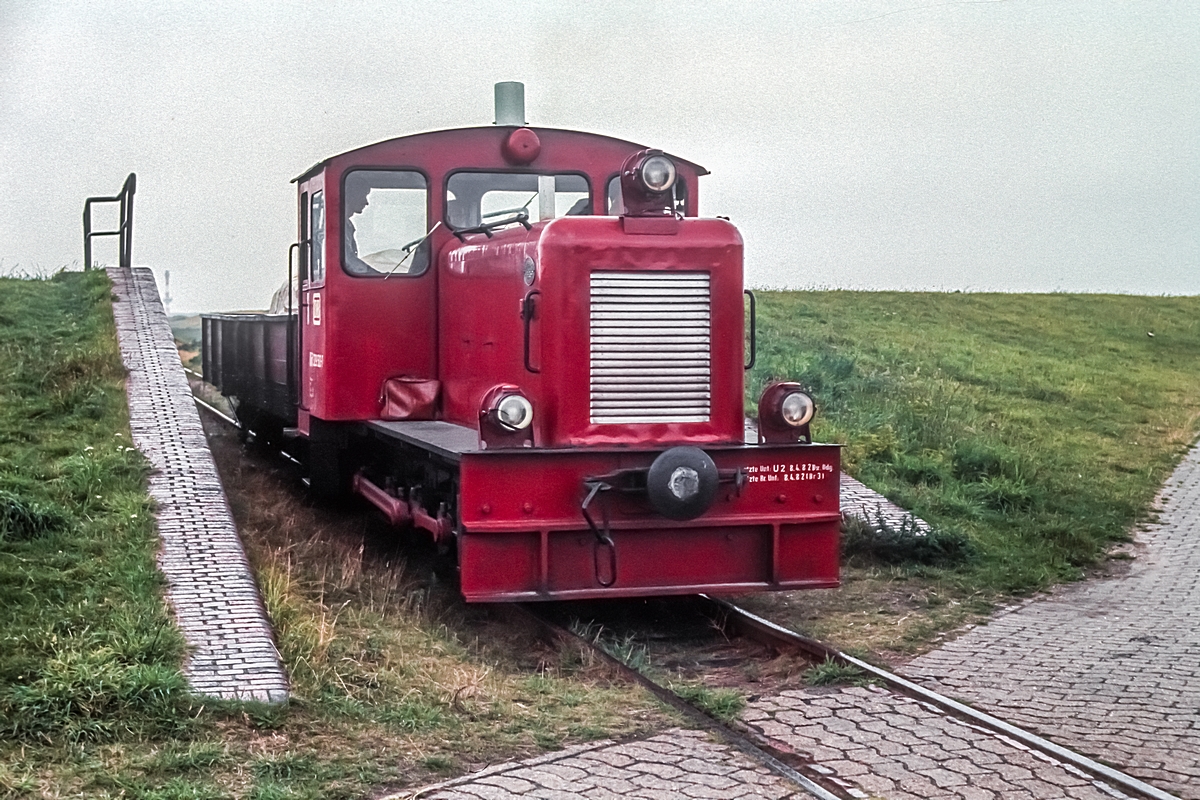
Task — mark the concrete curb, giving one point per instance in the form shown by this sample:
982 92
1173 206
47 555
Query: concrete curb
211 589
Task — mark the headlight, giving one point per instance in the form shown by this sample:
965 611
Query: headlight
784 413
658 173
514 412
796 409
505 418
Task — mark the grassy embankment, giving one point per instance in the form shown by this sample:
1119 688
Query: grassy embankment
92 703
1036 429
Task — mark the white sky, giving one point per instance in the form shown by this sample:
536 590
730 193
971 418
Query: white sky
1011 145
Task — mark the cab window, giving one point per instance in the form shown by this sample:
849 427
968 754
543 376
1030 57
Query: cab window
316 227
479 198
385 222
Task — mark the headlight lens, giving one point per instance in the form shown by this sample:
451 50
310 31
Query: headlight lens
658 173
796 409
514 412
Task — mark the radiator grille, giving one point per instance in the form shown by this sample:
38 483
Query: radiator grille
650 347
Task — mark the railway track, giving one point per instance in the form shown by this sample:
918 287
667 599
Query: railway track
777 761
736 623
732 621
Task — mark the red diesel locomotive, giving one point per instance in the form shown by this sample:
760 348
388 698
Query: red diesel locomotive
526 343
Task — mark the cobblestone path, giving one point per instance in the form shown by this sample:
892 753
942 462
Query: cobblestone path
860 500
215 599
675 764
897 748
1110 668
867 742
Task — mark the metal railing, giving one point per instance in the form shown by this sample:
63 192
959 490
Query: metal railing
124 229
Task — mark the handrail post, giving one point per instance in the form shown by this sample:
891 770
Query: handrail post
124 231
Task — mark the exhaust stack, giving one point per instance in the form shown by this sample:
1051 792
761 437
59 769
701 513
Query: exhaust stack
510 103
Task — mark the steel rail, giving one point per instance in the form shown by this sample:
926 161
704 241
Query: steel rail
217 413
755 627
670 698
228 420
208 406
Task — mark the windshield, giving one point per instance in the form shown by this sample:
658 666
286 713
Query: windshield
385 222
482 198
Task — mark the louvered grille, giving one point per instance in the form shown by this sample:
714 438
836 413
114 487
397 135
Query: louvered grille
650 347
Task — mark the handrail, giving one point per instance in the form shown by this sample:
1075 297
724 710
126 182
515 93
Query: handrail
749 365
124 229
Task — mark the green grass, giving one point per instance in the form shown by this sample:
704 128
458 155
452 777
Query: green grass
833 673
88 652
389 688
1037 427
188 336
723 704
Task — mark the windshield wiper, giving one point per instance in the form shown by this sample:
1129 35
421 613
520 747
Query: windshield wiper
486 228
411 248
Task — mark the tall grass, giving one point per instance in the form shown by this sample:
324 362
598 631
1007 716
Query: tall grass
88 653
1039 426
384 652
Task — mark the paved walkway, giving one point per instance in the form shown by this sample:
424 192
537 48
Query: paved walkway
866 742
893 747
210 586
676 764
860 500
1110 668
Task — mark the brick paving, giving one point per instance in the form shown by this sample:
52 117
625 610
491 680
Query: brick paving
897 748
866 742
1109 668
860 500
675 764
231 652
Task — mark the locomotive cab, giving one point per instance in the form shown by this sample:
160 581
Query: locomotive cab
525 342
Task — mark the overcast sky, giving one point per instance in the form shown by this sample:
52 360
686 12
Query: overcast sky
1002 145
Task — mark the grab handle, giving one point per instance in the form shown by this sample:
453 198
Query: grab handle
528 308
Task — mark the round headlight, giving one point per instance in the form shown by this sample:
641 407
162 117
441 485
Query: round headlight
658 173
514 412
796 409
